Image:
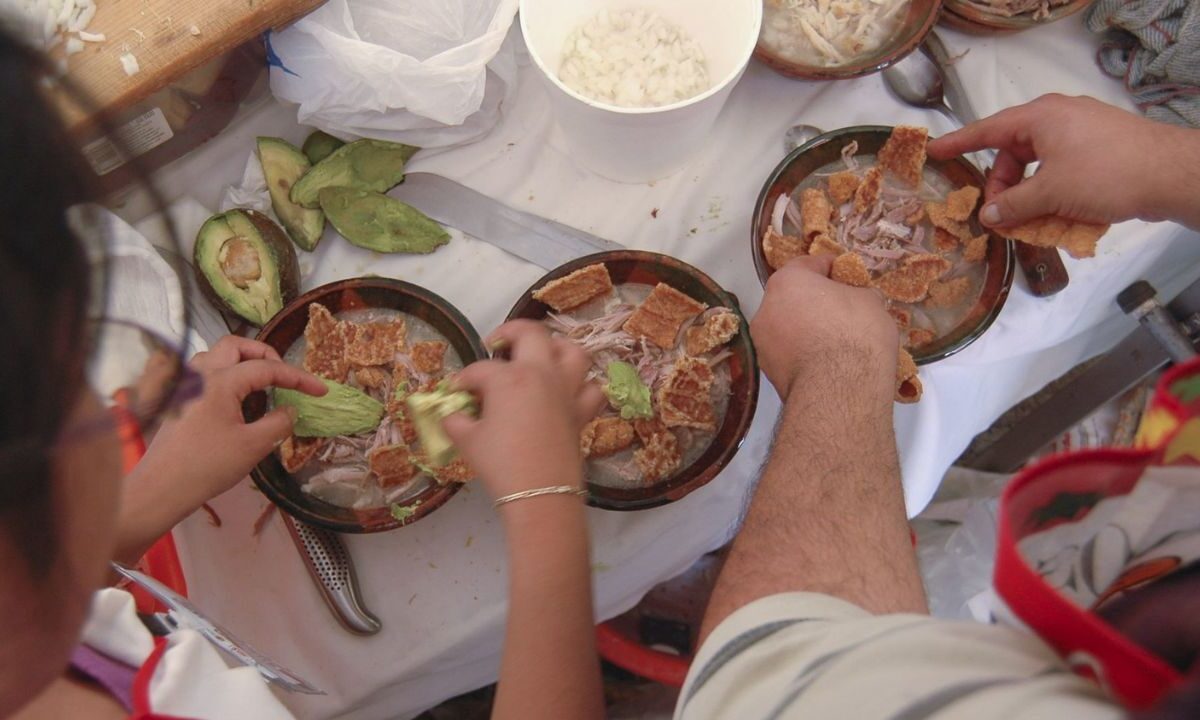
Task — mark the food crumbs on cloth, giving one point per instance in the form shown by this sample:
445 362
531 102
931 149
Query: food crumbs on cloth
654 213
693 231
601 567
470 539
410 600
433 566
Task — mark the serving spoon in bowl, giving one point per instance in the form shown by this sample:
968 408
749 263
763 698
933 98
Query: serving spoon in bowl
798 135
922 81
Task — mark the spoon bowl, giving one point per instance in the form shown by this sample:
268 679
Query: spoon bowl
917 81
798 135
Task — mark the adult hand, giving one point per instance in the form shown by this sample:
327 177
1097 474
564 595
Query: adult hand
812 328
1096 163
533 407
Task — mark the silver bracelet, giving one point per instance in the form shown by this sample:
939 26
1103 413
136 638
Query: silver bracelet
555 490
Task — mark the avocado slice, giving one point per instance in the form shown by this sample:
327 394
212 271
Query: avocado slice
282 166
376 165
245 265
377 222
320 145
342 410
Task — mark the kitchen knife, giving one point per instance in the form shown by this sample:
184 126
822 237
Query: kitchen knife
183 615
545 243
1043 267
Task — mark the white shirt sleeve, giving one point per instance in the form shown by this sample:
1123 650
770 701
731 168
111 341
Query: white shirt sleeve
804 655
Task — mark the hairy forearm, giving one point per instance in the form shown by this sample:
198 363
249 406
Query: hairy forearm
550 668
828 513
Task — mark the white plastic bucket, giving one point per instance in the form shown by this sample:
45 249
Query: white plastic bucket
642 144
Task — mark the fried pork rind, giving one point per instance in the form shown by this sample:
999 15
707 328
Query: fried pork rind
975 249
658 457
326 338
779 249
376 343
961 203
455 472
372 377
684 400
825 245
842 186
568 293
904 153
392 464
647 428
1077 238
948 294
868 190
915 219
902 316
849 269
908 386
605 436
429 357
661 314
939 215
943 241
910 282
296 452
403 382
718 329
815 212
916 337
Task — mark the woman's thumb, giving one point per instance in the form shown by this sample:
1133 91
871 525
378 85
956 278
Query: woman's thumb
1026 200
271 429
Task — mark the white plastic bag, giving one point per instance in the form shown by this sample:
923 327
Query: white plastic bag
425 72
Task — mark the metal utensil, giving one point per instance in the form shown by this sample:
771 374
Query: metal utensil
1165 334
545 243
182 614
926 81
798 135
332 571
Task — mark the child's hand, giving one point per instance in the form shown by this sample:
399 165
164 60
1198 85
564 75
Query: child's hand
209 447
532 409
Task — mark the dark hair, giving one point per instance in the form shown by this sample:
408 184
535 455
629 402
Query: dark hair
45 287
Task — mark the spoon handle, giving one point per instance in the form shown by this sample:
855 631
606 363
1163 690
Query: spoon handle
1043 268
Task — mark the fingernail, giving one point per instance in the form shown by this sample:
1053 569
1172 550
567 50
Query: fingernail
990 215
497 344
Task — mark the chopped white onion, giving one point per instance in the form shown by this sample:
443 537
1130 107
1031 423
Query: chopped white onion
130 64
86 36
777 212
48 23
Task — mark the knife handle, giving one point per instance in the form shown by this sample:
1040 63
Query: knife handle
1043 268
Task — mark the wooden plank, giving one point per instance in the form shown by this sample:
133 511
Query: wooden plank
169 38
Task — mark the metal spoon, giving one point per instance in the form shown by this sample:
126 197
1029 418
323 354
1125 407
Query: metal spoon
797 135
919 80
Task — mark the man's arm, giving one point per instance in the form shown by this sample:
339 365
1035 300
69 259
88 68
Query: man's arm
828 514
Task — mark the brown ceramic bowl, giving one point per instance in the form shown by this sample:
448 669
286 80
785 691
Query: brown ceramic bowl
635 266
970 18
919 20
826 149
288 326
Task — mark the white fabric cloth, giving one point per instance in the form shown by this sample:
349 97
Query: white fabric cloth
439 585
804 655
192 680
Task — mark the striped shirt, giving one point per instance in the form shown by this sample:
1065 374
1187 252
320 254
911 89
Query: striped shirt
804 655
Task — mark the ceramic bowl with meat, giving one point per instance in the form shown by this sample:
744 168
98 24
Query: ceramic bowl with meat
355 462
893 220
672 353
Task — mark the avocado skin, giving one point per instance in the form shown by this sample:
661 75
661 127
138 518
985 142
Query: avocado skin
375 165
282 161
320 145
377 222
282 254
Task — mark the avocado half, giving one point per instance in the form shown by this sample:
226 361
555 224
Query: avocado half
245 265
283 165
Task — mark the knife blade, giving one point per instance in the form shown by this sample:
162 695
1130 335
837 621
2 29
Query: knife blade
185 615
1043 266
545 243
1032 424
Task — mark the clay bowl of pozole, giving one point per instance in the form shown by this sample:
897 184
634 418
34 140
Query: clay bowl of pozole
890 230
673 353
381 339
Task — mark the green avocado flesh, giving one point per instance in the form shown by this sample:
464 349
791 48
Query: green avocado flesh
282 166
320 145
241 268
375 165
626 391
380 223
341 411
428 410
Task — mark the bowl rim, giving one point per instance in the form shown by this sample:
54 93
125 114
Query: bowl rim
764 271
443 493
729 79
893 54
976 16
729 300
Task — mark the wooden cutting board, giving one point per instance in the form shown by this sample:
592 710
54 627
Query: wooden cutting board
169 38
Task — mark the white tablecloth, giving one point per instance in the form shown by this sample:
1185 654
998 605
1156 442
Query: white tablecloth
439 586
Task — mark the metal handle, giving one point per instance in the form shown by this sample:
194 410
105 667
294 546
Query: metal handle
332 571
1141 301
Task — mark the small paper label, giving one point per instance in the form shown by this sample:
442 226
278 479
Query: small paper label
137 137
